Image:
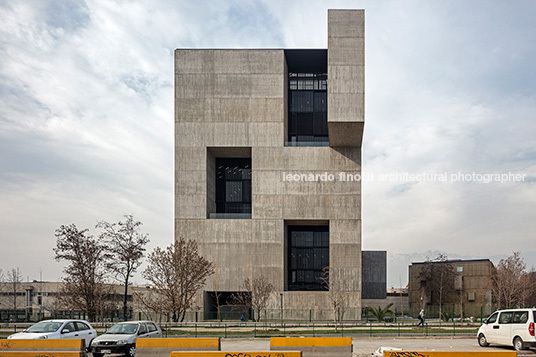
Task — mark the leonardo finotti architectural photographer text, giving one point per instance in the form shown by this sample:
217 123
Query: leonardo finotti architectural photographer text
403 177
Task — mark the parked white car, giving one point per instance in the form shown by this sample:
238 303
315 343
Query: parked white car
121 338
53 329
514 327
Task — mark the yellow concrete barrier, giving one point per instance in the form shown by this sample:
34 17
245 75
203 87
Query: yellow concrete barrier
4 353
449 353
310 341
238 354
42 344
208 343
314 346
162 347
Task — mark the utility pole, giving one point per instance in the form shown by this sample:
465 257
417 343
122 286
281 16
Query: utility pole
281 309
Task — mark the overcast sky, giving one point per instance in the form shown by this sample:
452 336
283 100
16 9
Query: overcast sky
86 116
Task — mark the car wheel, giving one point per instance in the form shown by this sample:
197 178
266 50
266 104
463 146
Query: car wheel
95 354
482 340
518 344
88 348
131 351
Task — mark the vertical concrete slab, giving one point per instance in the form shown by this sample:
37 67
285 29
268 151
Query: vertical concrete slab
346 77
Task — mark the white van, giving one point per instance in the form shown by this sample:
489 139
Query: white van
514 327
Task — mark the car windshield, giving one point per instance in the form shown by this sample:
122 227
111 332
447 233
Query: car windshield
123 329
44 326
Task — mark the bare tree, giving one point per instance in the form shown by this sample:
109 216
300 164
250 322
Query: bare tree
83 287
255 294
439 276
217 295
507 286
127 245
2 279
14 278
529 281
146 303
177 274
337 297
53 306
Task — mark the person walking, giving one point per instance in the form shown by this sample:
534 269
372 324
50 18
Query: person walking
421 317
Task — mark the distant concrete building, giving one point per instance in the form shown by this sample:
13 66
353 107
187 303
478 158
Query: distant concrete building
374 284
37 300
469 291
374 276
268 165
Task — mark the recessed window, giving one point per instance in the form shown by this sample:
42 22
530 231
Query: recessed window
308 256
233 185
229 182
308 109
307 98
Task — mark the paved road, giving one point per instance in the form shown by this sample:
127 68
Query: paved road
365 346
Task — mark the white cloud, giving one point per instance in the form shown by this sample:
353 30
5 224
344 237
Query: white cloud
86 115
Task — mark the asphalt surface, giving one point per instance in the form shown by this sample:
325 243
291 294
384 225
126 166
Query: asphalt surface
365 346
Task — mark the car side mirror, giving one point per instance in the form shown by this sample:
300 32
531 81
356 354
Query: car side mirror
485 321
65 330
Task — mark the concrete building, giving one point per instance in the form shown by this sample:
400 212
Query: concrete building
37 300
467 292
267 167
374 274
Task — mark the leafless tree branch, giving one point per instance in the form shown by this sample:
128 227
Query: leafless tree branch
177 274
127 246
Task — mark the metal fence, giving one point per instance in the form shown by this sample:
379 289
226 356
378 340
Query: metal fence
266 329
347 315
452 312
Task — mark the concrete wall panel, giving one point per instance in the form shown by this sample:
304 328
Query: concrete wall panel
346 23
194 61
249 62
347 79
266 134
345 231
238 98
346 107
345 51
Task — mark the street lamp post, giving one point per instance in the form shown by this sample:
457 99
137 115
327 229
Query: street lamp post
281 309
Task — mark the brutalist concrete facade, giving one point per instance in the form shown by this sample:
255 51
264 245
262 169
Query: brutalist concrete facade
468 292
234 103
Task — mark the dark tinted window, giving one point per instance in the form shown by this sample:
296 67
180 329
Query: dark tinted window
143 329
233 185
308 255
506 317
520 317
70 327
80 326
307 108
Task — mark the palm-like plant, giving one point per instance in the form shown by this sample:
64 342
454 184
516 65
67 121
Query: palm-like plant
380 313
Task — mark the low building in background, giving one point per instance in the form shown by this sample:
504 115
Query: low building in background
374 291
38 300
466 288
